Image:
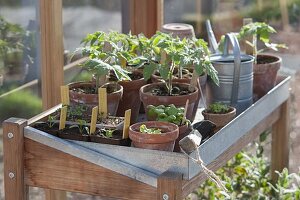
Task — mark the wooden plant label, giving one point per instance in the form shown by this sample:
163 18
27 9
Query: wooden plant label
186 107
163 57
64 94
194 81
126 123
63 117
102 98
94 119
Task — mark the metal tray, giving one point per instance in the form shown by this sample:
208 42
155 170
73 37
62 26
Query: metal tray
146 165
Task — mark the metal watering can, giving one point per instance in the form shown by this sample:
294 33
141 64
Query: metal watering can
235 72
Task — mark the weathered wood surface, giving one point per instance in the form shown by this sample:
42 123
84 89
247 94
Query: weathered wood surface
169 186
52 169
13 154
280 141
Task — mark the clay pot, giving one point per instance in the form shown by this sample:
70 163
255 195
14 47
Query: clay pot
163 142
220 120
179 29
201 83
179 101
91 100
184 130
130 99
265 75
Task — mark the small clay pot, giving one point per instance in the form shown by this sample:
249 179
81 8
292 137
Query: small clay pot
201 82
130 99
179 29
184 130
91 100
164 141
264 75
220 120
179 101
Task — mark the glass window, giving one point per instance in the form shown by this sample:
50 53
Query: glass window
19 59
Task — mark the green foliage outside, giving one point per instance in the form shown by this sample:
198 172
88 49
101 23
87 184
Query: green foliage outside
247 176
22 104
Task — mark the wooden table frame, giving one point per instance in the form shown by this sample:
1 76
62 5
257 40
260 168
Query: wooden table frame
30 163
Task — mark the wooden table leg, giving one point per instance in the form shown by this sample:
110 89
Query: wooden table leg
55 195
13 154
169 186
280 141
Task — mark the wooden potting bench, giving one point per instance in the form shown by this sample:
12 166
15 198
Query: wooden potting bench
34 158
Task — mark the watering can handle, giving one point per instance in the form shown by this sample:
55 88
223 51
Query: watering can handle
230 37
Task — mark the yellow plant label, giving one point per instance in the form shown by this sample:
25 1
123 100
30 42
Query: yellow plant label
126 123
194 80
64 94
94 120
163 57
63 117
186 107
102 95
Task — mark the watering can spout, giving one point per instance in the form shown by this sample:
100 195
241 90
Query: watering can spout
211 38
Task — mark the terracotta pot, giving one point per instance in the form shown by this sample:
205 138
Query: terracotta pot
184 130
179 101
130 99
201 83
265 75
91 100
163 142
220 120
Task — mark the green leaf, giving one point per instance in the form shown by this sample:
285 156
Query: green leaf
149 70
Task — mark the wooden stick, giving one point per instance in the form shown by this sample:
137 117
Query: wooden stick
63 117
126 124
248 48
194 81
94 120
163 58
102 95
64 95
186 107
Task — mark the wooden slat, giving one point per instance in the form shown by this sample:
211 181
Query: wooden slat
52 169
189 186
13 151
169 186
146 16
280 141
51 51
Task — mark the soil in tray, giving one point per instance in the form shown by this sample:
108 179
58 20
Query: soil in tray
266 59
115 139
47 127
176 91
74 133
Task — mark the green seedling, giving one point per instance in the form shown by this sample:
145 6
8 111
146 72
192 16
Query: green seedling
218 108
108 132
82 126
144 129
51 121
168 113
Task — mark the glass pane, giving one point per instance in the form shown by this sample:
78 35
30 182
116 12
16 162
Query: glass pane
81 17
19 59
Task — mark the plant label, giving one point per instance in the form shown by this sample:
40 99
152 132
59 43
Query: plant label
64 94
194 81
94 120
63 117
248 48
163 57
186 107
102 95
126 123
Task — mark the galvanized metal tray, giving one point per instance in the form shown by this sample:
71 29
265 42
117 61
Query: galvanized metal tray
146 165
